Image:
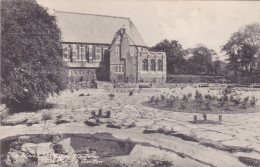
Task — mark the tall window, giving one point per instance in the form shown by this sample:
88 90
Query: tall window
98 53
152 65
104 49
160 65
83 52
145 65
66 52
117 50
78 53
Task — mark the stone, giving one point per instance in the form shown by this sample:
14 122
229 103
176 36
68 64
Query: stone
66 145
16 158
30 148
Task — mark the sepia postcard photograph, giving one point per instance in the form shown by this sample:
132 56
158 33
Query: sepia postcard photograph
134 83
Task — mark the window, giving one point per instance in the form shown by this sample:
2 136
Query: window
98 53
152 65
104 49
66 52
78 53
117 50
160 65
119 68
83 52
145 65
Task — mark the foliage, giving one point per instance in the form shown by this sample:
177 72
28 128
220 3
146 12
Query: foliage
243 49
201 60
253 101
245 102
198 97
175 54
32 66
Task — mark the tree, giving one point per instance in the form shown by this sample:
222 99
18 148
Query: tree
243 48
200 61
32 66
175 54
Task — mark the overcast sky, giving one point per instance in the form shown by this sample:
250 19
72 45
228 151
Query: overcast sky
190 22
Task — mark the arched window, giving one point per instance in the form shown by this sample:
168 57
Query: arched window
152 65
160 65
145 65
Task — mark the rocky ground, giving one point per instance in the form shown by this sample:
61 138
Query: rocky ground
161 138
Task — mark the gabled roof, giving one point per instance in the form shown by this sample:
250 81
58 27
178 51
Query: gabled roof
90 28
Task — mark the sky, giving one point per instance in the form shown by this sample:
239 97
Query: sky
210 23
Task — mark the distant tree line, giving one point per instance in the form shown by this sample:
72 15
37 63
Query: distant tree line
242 49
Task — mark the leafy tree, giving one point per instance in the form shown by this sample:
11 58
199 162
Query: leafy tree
176 62
32 66
243 49
200 61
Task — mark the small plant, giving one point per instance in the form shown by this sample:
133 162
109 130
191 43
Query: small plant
151 100
207 105
131 92
93 113
198 97
185 98
162 97
58 149
244 103
204 116
156 100
220 117
189 95
97 121
183 105
195 118
111 96
108 114
100 112
253 101
71 90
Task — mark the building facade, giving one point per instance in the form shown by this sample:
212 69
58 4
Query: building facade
107 48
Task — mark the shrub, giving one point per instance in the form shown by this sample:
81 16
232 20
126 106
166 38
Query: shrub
108 114
100 112
183 105
185 98
195 118
131 92
207 105
170 101
253 101
198 97
151 100
32 69
111 96
205 116
93 113
245 101
162 97
156 100
189 95
46 116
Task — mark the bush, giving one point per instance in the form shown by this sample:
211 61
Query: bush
244 103
32 69
253 101
198 97
151 100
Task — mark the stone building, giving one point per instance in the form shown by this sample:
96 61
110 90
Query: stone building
107 48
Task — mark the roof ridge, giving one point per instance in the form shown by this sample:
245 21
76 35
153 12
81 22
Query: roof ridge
92 14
